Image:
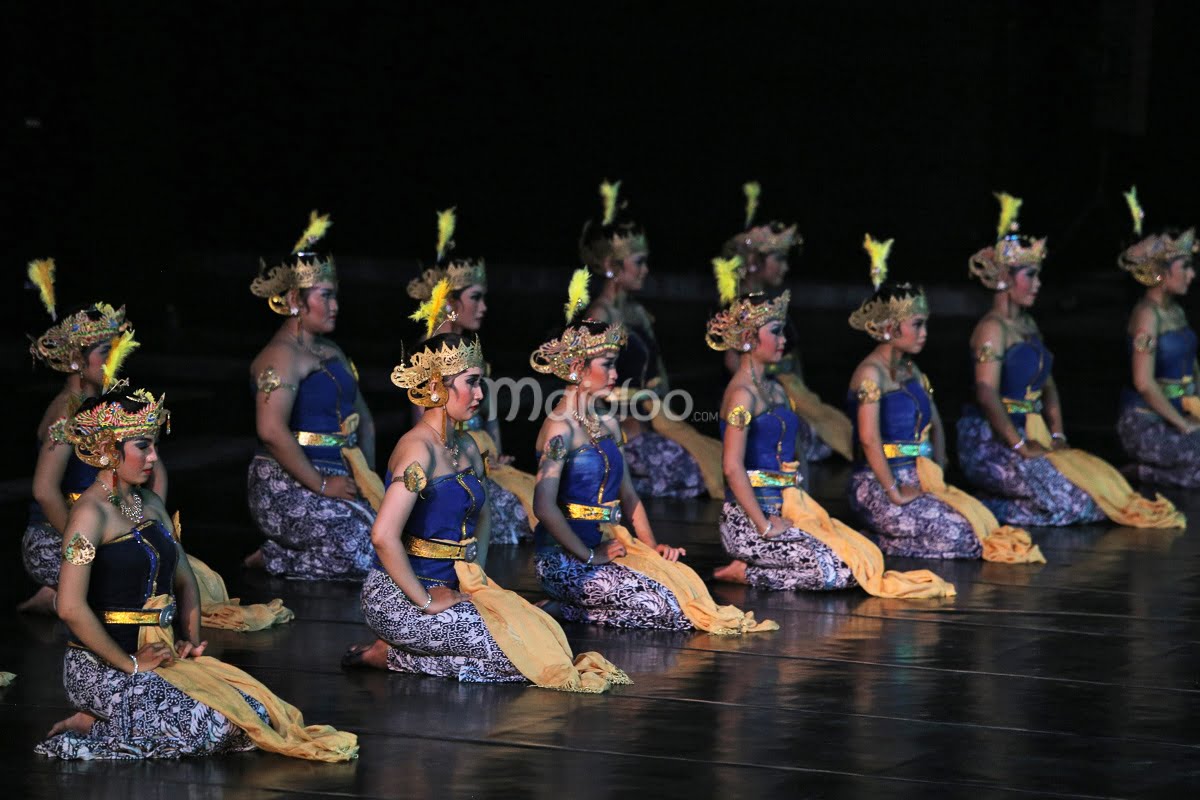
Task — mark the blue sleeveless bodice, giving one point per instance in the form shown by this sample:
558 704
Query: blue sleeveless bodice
127 572
447 510
770 443
1026 367
1174 363
591 476
323 400
905 415
77 477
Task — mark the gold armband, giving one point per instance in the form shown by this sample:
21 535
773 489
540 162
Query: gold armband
556 449
1144 343
414 477
739 417
987 354
80 551
868 391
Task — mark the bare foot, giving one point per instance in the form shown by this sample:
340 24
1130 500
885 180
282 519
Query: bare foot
361 655
255 560
733 572
42 602
80 723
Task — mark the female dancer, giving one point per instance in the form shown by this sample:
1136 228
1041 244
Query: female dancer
78 345
509 491
431 540
311 489
1160 416
585 560
135 666
672 459
764 251
1012 445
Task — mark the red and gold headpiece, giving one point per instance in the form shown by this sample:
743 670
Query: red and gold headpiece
309 268
460 273
97 433
1150 257
877 316
576 343
994 265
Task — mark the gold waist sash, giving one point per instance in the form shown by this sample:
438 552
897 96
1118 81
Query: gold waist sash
439 549
162 617
1031 404
907 449
309 439
1175 389
606 512
774 479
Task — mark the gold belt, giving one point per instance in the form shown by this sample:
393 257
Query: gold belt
162 617
907 449
1032 404
1175 389
439 549
607 512
773 479
308 439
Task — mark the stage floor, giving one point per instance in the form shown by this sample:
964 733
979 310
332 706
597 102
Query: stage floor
1073 679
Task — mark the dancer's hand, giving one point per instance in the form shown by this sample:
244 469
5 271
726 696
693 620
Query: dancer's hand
903 495
443 597
1190 425
152 656
1032 450
607 551
185 649
670 553
502 460
341 487
775 526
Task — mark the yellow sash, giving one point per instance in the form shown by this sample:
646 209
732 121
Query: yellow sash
704 449
216 684
1112 493
532 640
369 484
860 553
1191 405
689 590
828 422
508 477
1002 543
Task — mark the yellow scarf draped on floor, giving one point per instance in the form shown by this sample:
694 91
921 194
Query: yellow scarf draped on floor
830 424
219 610
1002 543
532 640
1112 493
508 477
704 449
216 684
860 553
369 484
689 590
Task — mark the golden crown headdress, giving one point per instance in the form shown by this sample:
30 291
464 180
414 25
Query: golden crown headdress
61 347
616 240
1150 257
97 433
769 237
576 343
461 273
734 327
309 268
993 266
423 373
877 315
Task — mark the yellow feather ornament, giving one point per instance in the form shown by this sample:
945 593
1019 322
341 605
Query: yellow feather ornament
446 222
726 272
1009 208
434 311
122 347
1135 208
752 190
41 273
609 193
878 251
318 225
578 296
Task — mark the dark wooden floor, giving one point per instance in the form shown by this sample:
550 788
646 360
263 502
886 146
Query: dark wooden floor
1073 679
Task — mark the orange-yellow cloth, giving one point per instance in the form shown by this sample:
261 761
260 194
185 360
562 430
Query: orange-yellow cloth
704 449
532 640
219 610
860 553
1191 405
689 590
828 422
1112 493
370 485
6 678
216 684
508 477
1002 543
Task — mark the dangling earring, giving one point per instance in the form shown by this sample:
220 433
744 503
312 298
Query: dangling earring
573 377
887 337
1001 286
608 273
74 366
295 311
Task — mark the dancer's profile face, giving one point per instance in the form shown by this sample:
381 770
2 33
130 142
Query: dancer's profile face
1178 277
471 307
633 270
1026 283
92 370
138 457
909 336
772 340
319 308
774 268
465 394
599 374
